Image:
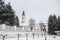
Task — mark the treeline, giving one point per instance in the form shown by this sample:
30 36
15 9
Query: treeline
53 24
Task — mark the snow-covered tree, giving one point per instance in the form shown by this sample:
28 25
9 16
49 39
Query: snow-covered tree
31 23
58 25
7 15
52 24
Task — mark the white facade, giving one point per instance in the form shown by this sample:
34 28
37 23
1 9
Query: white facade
38 27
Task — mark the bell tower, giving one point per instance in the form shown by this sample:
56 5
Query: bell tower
23 21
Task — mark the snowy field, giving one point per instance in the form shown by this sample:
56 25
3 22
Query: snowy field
30 37
12 34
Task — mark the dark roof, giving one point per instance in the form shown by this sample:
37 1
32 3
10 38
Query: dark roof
23 13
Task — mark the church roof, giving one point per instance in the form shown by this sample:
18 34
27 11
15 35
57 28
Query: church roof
23 13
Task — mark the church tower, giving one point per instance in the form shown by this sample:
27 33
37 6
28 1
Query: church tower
23 21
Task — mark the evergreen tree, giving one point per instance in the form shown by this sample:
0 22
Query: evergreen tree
58 26
10 14
50 21
52 24
2 11
7 15
17 21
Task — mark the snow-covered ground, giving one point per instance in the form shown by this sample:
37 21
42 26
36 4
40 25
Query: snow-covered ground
30 37
12 34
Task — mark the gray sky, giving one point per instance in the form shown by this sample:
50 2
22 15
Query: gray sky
37 9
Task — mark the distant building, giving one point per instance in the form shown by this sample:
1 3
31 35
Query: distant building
23 23
23 19
43 26
40 27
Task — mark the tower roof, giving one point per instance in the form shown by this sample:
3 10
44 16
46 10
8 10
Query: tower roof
23 13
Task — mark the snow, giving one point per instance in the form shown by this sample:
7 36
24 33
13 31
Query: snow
11 34
30 37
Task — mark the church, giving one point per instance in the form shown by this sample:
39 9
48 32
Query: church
36 27
23 23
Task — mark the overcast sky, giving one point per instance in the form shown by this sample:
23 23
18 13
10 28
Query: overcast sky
37 9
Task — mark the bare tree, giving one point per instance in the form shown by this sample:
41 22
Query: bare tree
31 23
